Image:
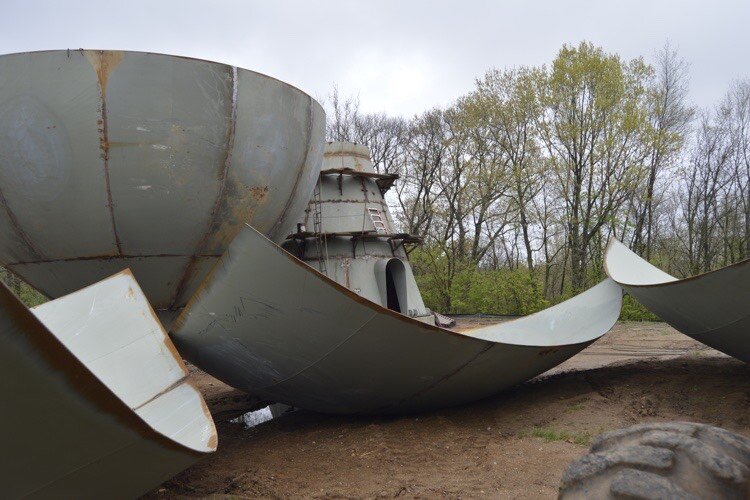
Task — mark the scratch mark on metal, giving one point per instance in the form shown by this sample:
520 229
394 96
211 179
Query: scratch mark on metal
300 169
436 382
18 229
213 220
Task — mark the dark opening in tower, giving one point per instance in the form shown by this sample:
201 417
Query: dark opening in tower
395 284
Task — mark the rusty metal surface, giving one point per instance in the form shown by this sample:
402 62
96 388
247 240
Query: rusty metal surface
713 308
112 159
269 324
344 204
345 199
96 400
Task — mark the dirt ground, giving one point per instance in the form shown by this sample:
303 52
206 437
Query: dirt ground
514 445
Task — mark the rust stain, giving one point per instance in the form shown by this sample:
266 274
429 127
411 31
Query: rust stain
258 193
170 346
331 154
213 440
371 202
104 62
165 337
238 206
159 394
237 209
182 317
108 257
358 165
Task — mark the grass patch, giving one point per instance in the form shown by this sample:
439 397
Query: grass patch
550 435
632 310
28 295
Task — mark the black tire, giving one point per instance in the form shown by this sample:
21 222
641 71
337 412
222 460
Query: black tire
662 461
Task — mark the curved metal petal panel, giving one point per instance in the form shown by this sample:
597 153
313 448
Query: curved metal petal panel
95 398
268 324
115 159
713 308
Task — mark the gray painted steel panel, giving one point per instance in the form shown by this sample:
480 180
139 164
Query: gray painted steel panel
317 345
713 308
345 199
108 155
60 276
96 401
343 207
365 273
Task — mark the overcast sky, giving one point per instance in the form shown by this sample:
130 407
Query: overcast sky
400 57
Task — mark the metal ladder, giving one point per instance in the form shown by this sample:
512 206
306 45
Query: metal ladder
320 243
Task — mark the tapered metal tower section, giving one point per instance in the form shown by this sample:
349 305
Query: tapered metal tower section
349 235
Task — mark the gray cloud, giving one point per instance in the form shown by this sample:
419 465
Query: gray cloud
398 56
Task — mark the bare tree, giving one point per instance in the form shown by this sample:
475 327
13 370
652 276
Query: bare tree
703 182
384 135
417 189
737 106
669 116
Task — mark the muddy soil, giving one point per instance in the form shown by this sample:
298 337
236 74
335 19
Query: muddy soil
514 445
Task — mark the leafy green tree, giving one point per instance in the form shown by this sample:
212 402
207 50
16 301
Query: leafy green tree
505 107
669 116
594 127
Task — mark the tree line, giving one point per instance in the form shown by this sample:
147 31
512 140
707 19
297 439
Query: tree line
517 185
